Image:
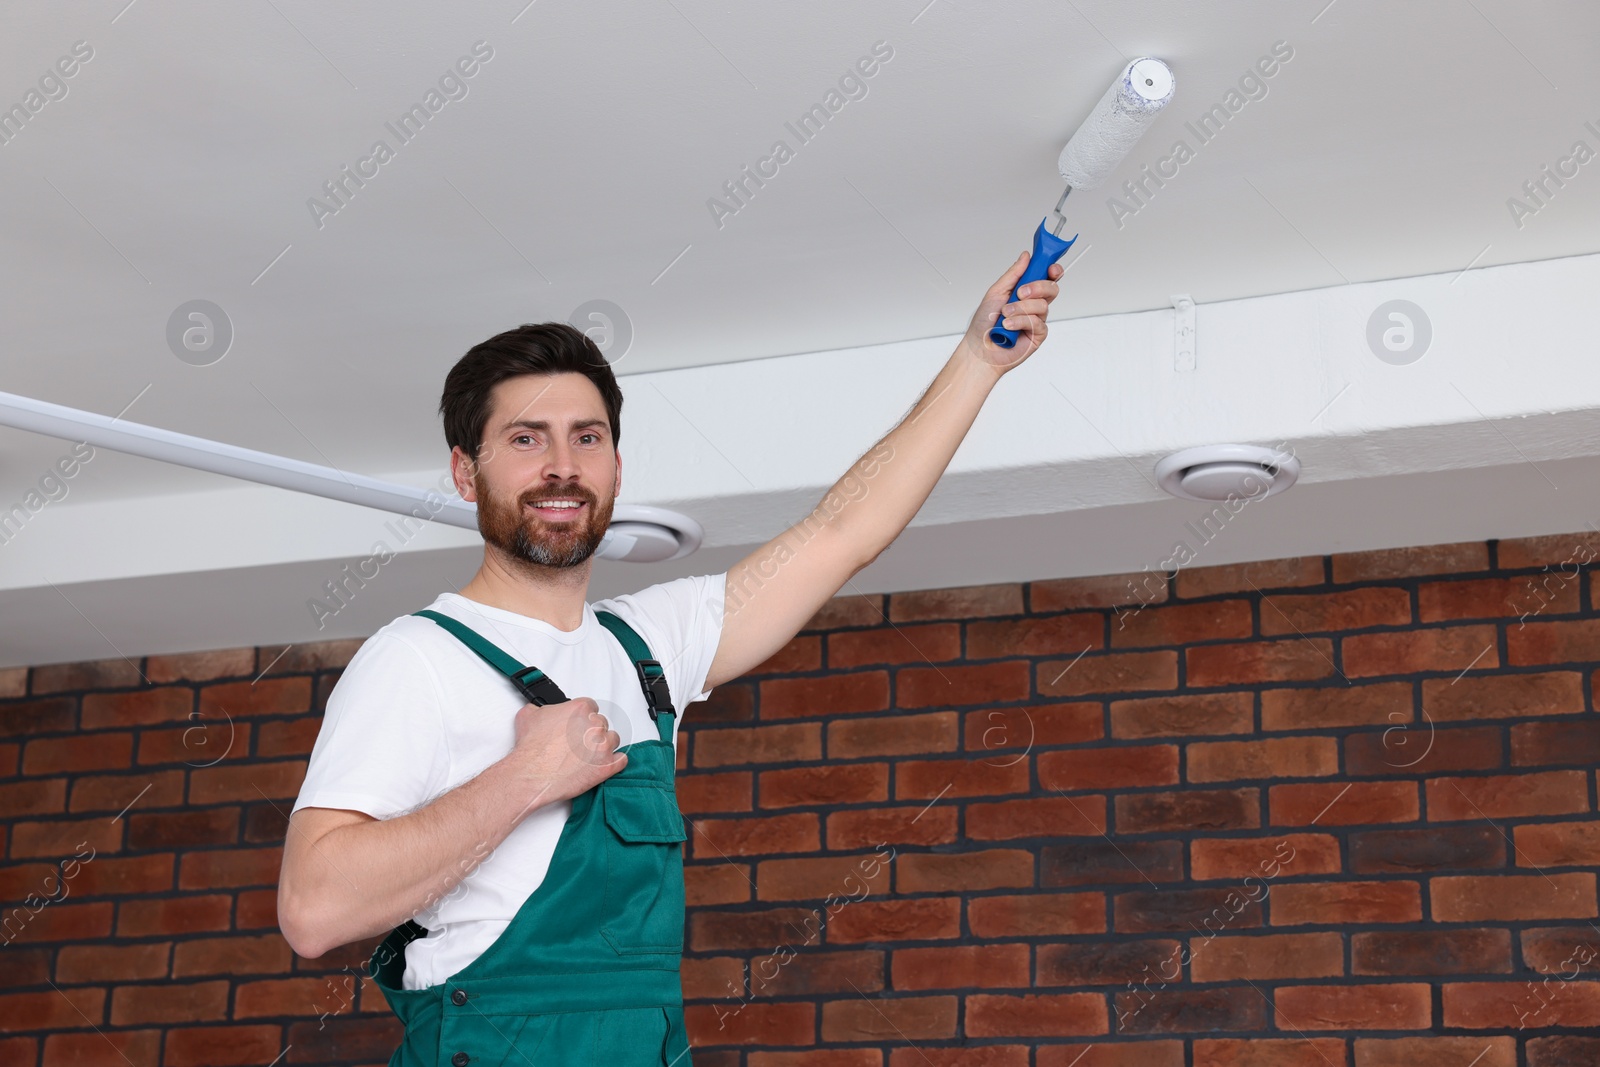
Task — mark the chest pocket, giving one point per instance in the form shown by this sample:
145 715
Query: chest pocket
644 863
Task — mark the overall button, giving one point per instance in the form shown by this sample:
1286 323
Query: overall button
460 1059
458 998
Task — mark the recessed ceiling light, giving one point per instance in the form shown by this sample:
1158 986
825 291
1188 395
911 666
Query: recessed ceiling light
640 533
1216 472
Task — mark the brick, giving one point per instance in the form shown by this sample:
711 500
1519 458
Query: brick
107 875
1423 748
116 792
248 782
263 954
931 643
26 966
1327 707
218 868
1185 910
308 656
169 704
38 797
33 717
1112 672
1182 716
1297 659
1496 598
1035 1015
13 682
855 1057
201 666
751 1024
61 838
1508 796
1543 744
998 729
934 872
55 1010
344 1040
185 829
1036 817
838 783
719 882
1558 844
1565 950
914 825
1037 914
1565 552
1437 1052
257 910
833 877
966 1056
715 978
1100 591
799 832
1442 648
222 1046
851 609
729 702
1336 903
55 922
728 791
1562 1051
1047 635
1114 963
293 738
889 1018
84 752
1106 862
169 1002
730 745
1176 1010
1181 624
1437 848
811 973
960 967
1352 609
91 674
1124 766
834 694
893 735
757 931
803 653
965 602
927 779
1213 858
1574 641
204 744
1268 957
889 921
269 696
1400 1006
1332 804
173 915
326 994
1542 1003
954 686
1254 576
105 1048
1430 952
1503 696
1274 757
1513 897
1386 563
1190 810
1271 1052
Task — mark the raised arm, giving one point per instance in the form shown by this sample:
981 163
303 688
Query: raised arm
772 592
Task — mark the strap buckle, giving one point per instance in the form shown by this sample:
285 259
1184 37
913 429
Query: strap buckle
538 687
654 682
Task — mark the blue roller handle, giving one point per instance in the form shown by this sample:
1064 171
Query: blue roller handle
1047 248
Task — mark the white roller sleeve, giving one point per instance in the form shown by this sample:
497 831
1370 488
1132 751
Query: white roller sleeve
1120 118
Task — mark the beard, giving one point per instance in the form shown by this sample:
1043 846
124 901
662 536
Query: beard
528 537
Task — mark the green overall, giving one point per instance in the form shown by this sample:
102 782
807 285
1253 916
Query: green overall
588 970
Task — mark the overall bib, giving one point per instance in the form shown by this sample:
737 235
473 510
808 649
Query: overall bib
588 970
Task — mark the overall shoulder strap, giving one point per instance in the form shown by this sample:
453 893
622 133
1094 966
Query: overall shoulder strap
652 678
538 687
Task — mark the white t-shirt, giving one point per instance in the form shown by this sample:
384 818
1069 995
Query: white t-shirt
416 713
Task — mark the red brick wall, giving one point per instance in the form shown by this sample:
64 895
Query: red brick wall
1329 811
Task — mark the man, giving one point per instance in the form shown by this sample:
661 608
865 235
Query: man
524 861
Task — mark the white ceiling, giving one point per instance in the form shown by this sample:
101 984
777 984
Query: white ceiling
578 167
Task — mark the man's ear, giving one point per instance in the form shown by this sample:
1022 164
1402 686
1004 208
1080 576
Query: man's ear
616 490
462 469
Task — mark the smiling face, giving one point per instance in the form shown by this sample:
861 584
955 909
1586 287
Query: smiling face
547 473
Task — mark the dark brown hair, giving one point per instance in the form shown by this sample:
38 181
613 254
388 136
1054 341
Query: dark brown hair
532 348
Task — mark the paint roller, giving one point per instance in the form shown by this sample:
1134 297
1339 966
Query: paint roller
1109 133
